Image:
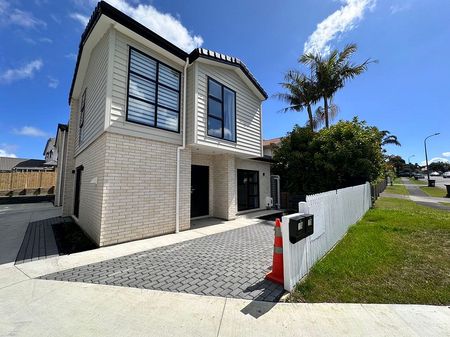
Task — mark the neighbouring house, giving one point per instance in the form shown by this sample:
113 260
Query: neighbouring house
8 164
61 150
158 136
50 153
269 145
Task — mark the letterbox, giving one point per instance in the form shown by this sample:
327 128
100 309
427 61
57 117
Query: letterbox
300 227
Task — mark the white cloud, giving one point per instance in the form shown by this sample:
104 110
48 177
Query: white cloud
30 131
53 82
23 19
27 71
8 150
336 24
83 19
164 24
3 153
435 160
71 56
400 8
45 40
446 154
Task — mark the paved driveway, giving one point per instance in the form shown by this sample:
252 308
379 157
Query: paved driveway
228 264
14 220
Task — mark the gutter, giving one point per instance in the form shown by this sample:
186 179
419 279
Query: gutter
179 149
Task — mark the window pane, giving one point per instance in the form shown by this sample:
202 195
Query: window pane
169 77
215 89
214 127
229 114
168 98
141 112
167 119
142 88
214 108
143 65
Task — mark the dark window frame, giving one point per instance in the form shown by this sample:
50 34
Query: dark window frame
157 83
257 195
82 113
222 120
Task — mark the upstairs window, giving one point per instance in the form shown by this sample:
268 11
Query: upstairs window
153 93
81 121
221 111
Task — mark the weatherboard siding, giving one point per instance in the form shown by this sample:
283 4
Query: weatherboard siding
248 111
95 106
118 123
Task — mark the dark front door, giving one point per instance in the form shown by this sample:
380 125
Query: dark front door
248 189
199 190
76 205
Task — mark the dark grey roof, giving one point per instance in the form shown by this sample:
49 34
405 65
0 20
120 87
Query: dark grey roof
120 17
212 55
8 164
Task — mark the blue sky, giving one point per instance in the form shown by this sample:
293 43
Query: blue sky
406 92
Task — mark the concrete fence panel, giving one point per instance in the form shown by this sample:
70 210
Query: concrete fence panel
334 212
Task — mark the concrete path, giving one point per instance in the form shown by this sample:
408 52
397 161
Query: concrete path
14 220
54 308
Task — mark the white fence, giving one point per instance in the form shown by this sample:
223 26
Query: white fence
334 212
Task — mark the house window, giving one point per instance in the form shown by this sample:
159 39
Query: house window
153 92
221 111
81 122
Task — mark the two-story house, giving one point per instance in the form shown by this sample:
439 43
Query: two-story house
158 136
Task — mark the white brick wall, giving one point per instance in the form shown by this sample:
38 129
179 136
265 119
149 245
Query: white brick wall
225 197
91 193
140 189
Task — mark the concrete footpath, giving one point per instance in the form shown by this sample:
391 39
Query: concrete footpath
37 307
32 307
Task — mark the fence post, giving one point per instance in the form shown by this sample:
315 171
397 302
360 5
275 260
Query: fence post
10 180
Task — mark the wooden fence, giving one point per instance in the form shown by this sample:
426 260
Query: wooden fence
22 181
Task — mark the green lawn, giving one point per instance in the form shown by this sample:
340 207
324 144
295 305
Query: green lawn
397 188
434 191
417 182
398 253
445 203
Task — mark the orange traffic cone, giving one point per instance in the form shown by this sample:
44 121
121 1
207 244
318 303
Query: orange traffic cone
276 275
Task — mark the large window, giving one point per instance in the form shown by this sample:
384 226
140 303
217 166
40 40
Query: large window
221 111
248 189
153 93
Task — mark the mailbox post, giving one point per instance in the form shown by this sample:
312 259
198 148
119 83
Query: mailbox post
300 227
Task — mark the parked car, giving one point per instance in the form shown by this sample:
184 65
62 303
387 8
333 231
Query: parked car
434 174
446 174
404 174
419 176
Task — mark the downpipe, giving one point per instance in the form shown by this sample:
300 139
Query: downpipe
179 149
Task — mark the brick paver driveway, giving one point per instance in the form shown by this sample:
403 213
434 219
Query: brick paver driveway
228 264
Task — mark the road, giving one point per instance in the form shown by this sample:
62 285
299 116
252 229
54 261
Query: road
14 220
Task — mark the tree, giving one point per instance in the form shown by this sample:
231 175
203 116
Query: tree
397 162
346 154
331 72
389 138
301 94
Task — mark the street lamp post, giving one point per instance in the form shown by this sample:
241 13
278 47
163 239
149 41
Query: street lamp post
426 156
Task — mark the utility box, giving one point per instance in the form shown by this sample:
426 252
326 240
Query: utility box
300 227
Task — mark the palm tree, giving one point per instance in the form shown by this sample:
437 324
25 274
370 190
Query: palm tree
332 72
301 94
388 138
319 115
